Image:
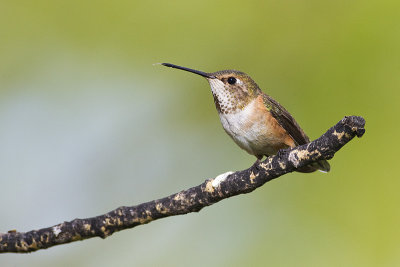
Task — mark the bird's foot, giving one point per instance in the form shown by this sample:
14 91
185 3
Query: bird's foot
256 163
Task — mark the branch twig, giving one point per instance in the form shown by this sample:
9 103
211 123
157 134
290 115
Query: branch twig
190 200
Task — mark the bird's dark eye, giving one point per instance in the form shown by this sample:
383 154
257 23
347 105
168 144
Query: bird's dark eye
231 80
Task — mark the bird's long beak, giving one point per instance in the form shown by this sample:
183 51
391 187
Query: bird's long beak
204 74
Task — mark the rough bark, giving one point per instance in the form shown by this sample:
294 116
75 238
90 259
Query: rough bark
190 200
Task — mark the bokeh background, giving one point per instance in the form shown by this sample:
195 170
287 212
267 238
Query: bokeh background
88 124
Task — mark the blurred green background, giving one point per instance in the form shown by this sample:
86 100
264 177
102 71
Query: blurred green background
89 124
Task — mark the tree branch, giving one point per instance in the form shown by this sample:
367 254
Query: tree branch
190 200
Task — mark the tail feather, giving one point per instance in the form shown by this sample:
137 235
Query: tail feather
322 166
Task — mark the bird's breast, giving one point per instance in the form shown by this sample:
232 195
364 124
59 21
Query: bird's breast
255 130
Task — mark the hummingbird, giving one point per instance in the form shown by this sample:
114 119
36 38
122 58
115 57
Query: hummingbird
255 121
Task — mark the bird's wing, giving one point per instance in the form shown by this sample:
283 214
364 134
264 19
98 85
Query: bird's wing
285 120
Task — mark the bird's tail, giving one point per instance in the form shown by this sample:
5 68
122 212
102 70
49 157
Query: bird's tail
321 165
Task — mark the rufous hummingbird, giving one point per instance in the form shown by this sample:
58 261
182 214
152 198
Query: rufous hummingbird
255 121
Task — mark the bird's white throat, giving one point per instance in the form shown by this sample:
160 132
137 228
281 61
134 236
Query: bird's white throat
223 96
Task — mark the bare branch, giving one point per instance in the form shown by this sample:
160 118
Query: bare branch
190 200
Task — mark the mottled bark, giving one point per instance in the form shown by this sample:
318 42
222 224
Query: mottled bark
190 200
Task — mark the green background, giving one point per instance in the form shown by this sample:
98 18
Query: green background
88 124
